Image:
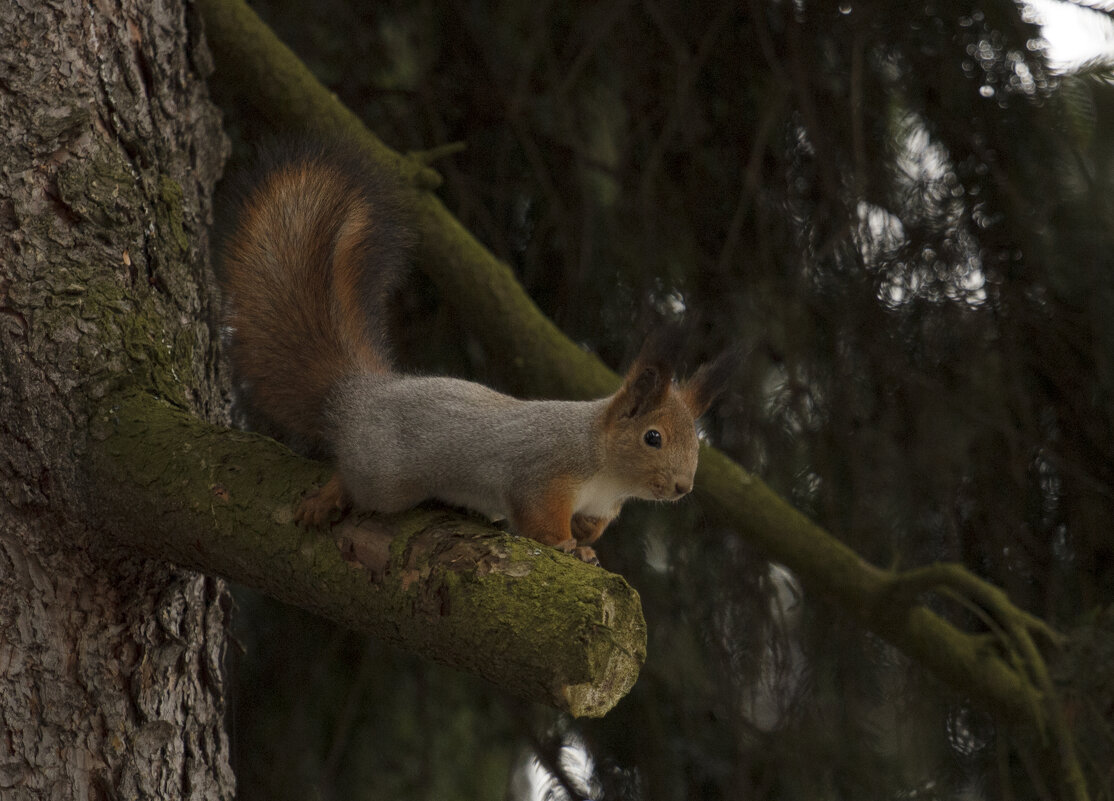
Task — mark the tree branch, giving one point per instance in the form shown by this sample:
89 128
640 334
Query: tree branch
538 623
542 361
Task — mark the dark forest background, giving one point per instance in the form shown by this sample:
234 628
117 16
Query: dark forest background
901 215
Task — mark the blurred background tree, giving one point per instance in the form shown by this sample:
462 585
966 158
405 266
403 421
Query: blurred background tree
901 212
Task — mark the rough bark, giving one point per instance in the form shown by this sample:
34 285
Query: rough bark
109 280
544 362
540 624
110 675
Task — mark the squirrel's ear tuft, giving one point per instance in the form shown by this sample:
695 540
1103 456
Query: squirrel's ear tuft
706 384
644 388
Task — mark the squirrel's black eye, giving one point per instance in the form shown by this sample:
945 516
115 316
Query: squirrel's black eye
652 438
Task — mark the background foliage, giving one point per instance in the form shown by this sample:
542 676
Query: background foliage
902 215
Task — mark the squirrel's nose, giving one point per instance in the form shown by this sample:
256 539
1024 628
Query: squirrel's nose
683 488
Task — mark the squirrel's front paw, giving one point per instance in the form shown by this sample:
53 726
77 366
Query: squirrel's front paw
586 554
581 552
588 529
318 507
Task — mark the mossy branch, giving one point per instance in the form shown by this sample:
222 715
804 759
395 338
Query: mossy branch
540 624
543 362
1015 632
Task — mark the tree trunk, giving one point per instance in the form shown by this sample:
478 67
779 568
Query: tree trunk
110 665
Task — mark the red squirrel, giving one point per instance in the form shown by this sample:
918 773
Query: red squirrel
316 247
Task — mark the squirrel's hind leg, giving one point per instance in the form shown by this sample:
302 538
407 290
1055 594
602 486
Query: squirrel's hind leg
316 508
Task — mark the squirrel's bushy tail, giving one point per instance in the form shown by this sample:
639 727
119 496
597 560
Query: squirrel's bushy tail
317 244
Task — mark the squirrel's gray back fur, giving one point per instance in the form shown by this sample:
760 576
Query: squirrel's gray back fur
400 440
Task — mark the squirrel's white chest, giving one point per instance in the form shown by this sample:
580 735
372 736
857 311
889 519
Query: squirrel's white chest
600 496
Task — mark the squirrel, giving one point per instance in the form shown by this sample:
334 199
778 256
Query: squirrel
318 244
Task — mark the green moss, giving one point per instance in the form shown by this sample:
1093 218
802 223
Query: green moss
103 190
170 211
510 586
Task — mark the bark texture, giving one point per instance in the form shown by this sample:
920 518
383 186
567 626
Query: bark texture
110 678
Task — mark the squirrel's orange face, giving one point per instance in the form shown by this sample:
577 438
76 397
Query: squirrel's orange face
651 431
